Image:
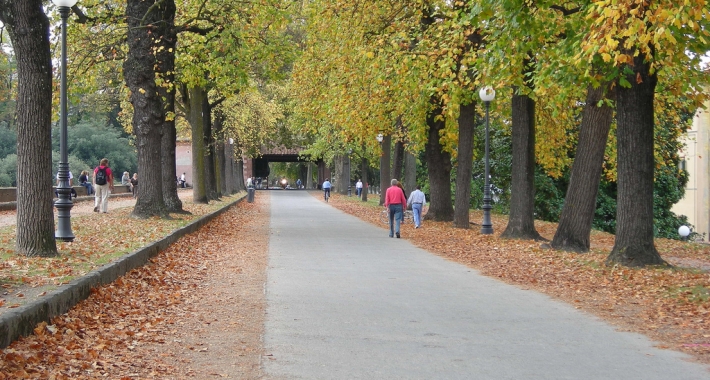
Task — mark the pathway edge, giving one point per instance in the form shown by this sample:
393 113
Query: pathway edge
23 320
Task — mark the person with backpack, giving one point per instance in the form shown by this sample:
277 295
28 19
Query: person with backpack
103 186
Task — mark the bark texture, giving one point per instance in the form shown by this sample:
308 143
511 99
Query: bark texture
210 159
385 175
521 224
28 27
199 149
239 176
575 226
439 167
398 160
166 69
634 246
467 124
410 172
148 117
364 166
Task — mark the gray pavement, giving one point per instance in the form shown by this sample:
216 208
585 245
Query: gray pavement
345 301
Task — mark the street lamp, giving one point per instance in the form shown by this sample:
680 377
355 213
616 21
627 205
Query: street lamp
487 94
63 203
380 137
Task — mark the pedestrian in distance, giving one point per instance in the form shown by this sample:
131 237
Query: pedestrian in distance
326 189
84 181
395 203
417 200
71 187
126 179
358 188
103 185
183 180
134 184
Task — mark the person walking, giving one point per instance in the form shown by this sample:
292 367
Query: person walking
103 185
417 200
358 188
395 203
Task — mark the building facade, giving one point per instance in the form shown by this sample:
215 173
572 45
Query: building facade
696 159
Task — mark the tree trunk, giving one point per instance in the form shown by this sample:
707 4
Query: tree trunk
365 166
239 176
575 226
385 177
398 160
634 246
309 176
148 116
166 69
521 223
228 169
219 158
439 167
210 170
410 172
467 124
199 149
28 27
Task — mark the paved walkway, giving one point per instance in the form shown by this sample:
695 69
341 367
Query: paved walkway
347 302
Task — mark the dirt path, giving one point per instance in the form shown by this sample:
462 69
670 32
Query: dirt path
195 312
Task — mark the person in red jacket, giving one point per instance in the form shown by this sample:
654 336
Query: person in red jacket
103 184
395 203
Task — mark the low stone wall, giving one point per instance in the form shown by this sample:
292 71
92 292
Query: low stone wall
22 320
8 195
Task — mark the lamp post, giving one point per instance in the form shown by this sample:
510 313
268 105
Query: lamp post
63 203
380 137
487 94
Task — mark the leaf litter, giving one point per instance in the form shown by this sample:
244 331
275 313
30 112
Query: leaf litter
195 310
669 305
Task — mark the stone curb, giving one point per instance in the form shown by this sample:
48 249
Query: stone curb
23 320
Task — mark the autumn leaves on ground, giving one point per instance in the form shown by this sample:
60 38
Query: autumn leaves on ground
197 310
671 306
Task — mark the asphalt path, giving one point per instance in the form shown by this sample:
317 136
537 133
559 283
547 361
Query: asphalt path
345 301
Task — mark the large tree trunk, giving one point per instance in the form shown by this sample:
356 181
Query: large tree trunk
228 169
575 226
309 176
385 178
634 246
521 223
467 124
148 116
220 161
439 167
239 176
410 172
166 68
210 170
398 160
29 32
365 166
199 149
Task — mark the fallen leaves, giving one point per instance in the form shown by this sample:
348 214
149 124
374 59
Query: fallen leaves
668 305
127 329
